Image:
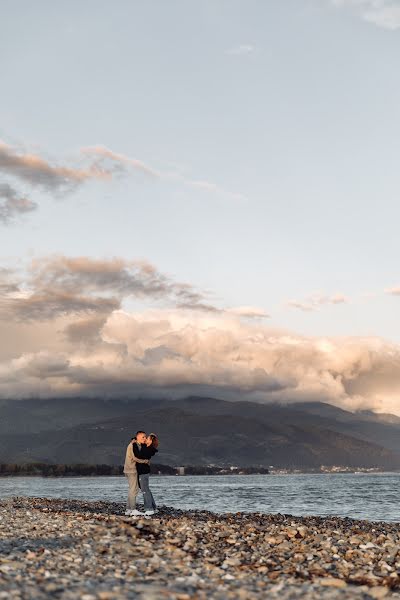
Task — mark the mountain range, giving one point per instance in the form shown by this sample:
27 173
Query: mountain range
198 431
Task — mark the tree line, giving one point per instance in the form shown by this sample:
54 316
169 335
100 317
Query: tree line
74 470
54 470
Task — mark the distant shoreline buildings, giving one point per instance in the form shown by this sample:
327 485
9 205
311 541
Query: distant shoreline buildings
82 470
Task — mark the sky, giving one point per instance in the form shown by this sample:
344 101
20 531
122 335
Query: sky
201 197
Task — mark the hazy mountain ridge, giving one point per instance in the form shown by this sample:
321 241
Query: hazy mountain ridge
198 431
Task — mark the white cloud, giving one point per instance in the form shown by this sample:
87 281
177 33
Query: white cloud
103 154
394 291
316 301
250 312
382 13
241 50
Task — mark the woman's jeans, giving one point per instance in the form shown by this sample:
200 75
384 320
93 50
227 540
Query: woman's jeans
149 503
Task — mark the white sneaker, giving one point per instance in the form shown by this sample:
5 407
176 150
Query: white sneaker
136 513
128 513
149 512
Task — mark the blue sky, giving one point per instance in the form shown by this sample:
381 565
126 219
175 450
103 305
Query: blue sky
286 111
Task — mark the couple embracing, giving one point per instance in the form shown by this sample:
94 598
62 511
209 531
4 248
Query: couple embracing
139 452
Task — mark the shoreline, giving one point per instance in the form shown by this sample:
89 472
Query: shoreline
51 548
228 474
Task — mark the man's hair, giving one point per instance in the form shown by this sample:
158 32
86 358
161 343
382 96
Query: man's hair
140 431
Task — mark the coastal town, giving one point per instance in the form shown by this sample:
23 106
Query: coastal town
84 470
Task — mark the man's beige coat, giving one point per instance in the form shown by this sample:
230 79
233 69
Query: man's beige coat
131 473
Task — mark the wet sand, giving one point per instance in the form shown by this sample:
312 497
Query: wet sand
69 549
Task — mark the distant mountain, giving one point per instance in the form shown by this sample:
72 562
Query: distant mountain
198 431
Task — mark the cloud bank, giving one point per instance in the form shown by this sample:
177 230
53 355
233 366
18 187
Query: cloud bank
67 330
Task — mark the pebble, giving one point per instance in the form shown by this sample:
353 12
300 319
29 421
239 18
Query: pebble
69 549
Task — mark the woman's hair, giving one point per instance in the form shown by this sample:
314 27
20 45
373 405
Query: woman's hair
154 440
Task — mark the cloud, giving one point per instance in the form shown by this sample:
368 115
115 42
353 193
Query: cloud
94 163
314 302
85 331
250 312
8 283
209 187
65 330
382 13
173 352
58 285
12 204
103 154
241 50
394 291
38 172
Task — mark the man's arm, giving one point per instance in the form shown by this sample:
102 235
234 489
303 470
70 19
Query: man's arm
138 453
135 456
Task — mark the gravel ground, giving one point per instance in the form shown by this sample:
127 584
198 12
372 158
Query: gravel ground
67 549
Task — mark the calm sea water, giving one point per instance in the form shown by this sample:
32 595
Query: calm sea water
363 496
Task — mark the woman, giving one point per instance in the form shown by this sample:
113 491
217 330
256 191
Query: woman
147 451
132 474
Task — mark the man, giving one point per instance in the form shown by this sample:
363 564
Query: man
144 449
130 470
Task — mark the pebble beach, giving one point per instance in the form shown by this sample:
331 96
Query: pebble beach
68 549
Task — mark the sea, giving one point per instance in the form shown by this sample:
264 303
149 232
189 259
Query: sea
370 496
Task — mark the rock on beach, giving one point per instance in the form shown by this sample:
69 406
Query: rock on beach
68 549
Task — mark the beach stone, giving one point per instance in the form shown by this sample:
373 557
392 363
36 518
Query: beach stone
70 549
378 592
302 531
333 582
